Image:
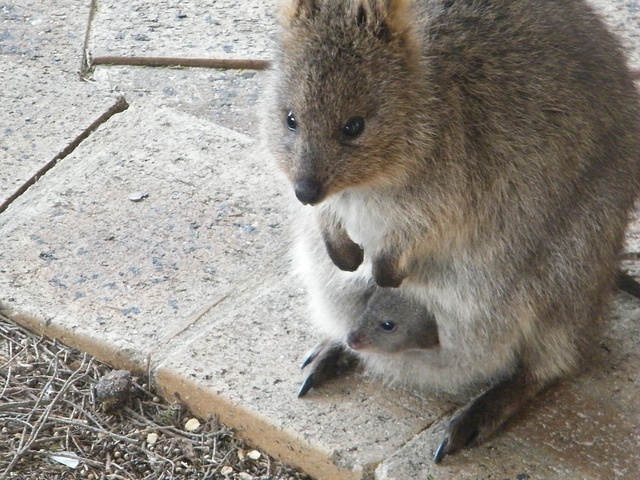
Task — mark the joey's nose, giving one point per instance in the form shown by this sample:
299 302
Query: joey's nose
308 191
355 342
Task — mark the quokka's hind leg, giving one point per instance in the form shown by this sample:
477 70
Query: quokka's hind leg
328 359
484 416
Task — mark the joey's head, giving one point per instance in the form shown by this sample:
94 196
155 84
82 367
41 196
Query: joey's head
392 324
342 111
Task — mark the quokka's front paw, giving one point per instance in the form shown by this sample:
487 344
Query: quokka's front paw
387 271
345 254
327 360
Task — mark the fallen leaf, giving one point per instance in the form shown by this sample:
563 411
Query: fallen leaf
69 459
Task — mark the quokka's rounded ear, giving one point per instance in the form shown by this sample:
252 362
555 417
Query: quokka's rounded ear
386 19
292 10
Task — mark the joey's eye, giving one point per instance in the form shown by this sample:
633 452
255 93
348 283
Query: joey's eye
353 127
388 326
292 123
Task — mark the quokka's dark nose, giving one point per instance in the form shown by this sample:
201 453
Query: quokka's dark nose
308 191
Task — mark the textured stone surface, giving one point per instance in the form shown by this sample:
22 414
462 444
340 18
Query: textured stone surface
78 252
623 18
227 97
205 29
44 32
45 105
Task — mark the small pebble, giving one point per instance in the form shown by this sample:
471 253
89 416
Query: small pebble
192 425
226 470
254 455
138 196
152 438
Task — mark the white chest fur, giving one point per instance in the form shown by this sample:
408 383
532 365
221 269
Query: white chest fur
366 220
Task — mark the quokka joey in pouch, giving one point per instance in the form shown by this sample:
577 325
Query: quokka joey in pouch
392 323
485 155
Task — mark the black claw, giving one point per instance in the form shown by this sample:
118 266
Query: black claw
312 356
441 452
306 386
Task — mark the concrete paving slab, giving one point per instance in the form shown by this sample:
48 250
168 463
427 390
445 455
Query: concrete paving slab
623 18
206 29
90 266
44 110
631 257
45 105
226 97
243 366
48 32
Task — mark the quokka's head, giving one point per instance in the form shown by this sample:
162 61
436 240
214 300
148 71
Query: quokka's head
342 111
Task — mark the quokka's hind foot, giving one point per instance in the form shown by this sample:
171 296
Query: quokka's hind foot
327 360
627 283
486 414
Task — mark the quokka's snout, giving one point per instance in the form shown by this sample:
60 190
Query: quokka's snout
309 191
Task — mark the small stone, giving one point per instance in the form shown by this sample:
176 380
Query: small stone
138 196
114 389
226 470
152 438
254 455
192 425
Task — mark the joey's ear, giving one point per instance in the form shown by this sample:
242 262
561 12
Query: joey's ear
387 19
293 10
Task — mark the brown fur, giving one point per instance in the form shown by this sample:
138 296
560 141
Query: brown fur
499 159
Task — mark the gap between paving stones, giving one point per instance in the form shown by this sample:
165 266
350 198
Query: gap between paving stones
119 106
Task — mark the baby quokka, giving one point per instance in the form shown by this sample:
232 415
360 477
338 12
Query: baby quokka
483 154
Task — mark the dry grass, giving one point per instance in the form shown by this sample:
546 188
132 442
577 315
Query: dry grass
49 410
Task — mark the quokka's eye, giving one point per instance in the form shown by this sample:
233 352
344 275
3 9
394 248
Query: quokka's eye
292 123
353 127
388 326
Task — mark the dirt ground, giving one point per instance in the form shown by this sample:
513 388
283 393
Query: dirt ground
64 415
